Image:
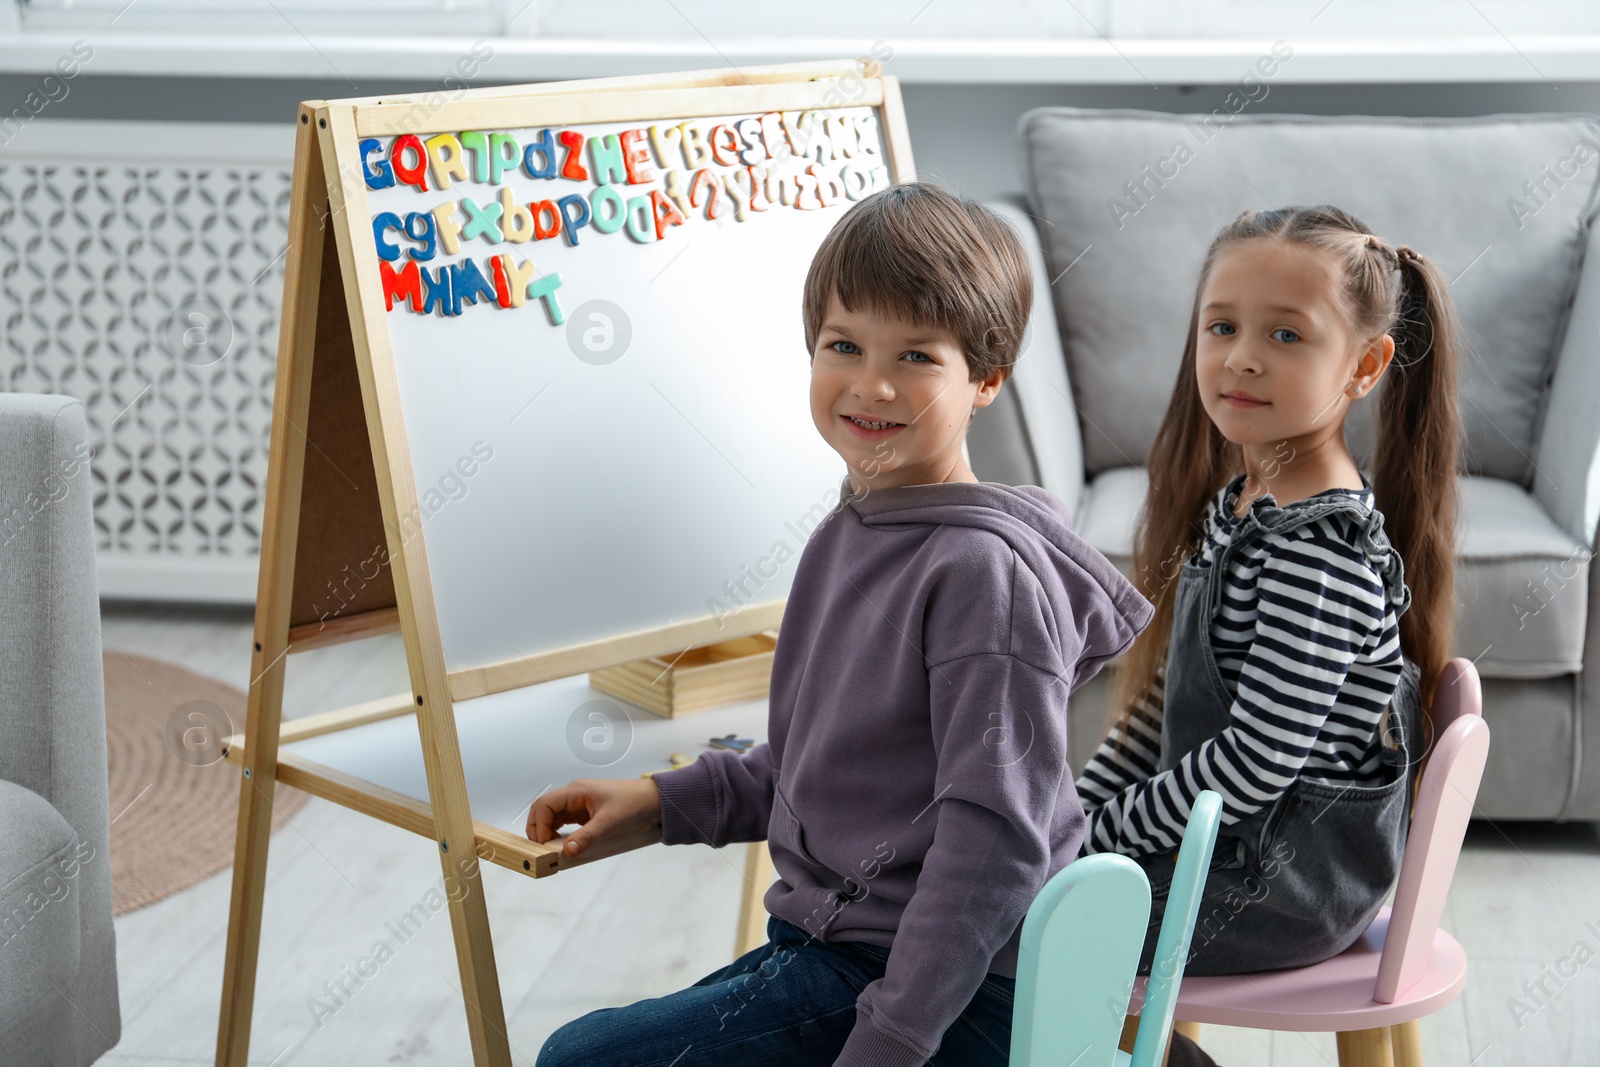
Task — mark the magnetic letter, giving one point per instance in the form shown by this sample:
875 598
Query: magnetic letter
695 152
436 290
574 216
829 187
404 284
571 167
467 283
444 155
500 159
386 221
605 153
705 186
773 136
757 177
545 146
542 229
545 288
379 175
679 191
724 143
750 131
866 133
518 275
602 195
737 184
636 156
842 135
515 220
417 174
448 230
666 140
665 211
857 178
427 237
640 227
483 220
479 144
502 292
819 146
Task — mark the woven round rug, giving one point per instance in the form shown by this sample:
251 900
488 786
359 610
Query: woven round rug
174 799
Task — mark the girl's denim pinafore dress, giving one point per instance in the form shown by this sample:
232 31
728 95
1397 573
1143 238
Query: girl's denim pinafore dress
1300 880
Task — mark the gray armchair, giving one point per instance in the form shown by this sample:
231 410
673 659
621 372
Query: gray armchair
58 969
1118 226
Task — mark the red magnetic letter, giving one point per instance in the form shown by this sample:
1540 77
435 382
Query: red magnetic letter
571 167
502 289
406 284
665 211
636 156
417 175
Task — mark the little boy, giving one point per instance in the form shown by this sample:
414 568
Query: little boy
914 789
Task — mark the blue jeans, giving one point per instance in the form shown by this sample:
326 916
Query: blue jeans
790 1002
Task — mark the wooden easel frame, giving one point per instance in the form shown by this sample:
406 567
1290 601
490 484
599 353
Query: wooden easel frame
333 351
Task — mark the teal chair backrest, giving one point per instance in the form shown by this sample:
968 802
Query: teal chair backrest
1177 930
1076 960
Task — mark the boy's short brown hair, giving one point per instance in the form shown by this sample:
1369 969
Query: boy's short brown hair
917 252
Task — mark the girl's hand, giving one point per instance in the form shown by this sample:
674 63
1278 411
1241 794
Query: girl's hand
602 805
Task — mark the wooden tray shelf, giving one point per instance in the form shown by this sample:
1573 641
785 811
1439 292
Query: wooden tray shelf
710 676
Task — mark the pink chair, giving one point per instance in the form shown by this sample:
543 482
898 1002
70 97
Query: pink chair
1404 966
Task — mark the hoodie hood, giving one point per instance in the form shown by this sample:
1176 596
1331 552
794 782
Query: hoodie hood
1084 590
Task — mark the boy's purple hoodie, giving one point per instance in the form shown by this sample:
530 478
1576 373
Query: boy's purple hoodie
914 788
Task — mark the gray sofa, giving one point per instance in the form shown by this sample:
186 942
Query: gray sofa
1118 226
58 968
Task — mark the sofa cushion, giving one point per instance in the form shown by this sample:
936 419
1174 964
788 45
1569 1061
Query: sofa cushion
1521 581
1525 581
39 940
1130 200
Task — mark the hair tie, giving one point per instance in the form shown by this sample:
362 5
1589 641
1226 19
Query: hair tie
1407 252
1373 241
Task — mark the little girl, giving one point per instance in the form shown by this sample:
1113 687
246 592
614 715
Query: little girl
1289 666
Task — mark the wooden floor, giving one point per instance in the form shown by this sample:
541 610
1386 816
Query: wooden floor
653 921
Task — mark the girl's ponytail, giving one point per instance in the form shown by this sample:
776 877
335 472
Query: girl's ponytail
1414 466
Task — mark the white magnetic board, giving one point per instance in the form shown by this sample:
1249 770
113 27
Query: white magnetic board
651 459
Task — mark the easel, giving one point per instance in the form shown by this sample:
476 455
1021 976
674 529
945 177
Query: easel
345 494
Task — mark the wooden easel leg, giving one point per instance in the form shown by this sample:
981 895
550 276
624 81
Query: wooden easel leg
280 527
758 873
1407 1040
455 837
1365 1048
463 879
249 876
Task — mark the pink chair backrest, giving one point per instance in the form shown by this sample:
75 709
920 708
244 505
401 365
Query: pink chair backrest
1438 825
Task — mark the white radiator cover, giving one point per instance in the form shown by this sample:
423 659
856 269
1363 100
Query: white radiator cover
111 232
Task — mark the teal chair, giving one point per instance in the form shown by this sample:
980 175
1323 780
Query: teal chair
1080 950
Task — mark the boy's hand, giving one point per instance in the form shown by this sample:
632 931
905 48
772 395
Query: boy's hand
602 805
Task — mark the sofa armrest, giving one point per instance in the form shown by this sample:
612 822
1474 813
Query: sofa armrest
1043 391
1566 479
52 695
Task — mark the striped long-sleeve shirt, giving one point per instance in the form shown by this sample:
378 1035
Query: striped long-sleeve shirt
1308 646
